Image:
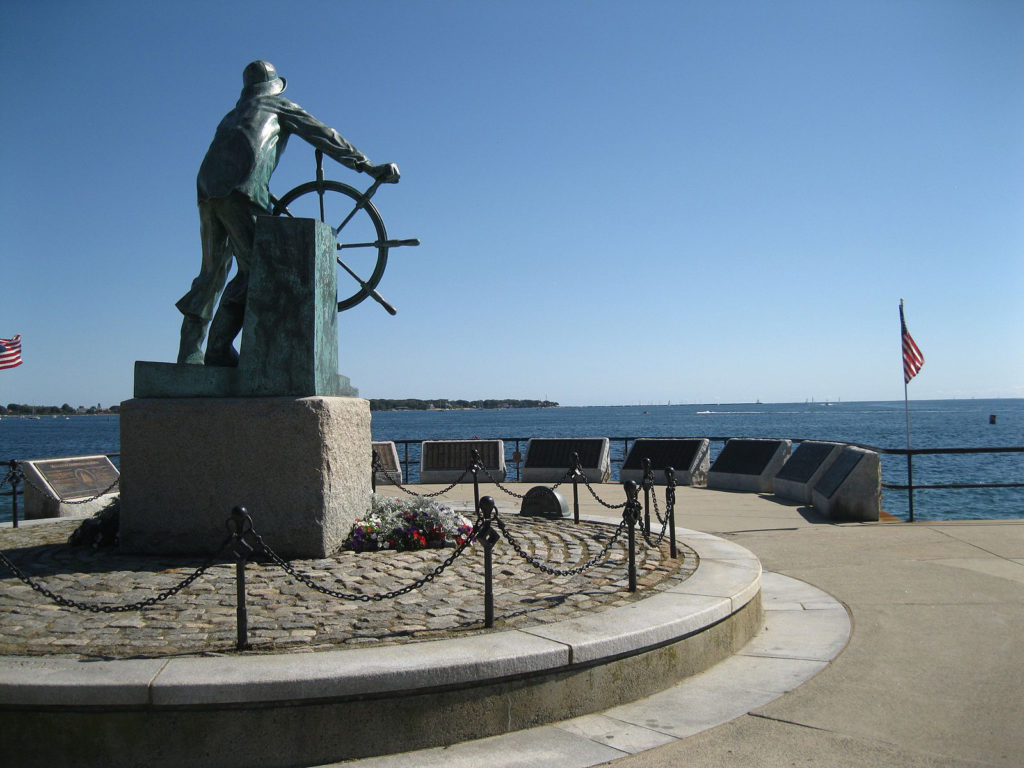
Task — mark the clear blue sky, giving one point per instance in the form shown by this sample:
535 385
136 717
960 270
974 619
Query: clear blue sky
618 202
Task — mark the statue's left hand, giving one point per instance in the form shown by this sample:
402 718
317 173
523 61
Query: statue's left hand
386 173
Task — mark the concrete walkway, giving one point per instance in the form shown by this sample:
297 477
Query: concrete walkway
934 671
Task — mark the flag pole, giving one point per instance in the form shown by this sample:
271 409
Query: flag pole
906 408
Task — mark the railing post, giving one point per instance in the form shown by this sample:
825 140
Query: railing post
405 448
577 472
475 466
15 478
375 465
243 524
648 483
670 508
631 513
489 537
910 485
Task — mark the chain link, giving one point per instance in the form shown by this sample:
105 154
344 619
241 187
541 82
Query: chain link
601 501
510 492
366 598
646 533
92 607
426 495
555 571
657 512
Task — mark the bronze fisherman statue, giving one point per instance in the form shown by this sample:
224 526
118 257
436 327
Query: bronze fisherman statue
233 188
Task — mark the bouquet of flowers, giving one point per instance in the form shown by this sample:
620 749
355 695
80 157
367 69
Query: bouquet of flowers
407 524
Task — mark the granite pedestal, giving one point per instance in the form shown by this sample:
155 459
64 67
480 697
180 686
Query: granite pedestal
300 466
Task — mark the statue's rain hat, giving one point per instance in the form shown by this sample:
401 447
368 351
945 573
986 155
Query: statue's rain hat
261 79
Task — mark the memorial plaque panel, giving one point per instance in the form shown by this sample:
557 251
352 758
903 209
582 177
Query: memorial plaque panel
805 461
541 501
748 464
457 454
678 454
79 477
745 457
446 461
391 468
841 468
851 488
548 458
552 452
687 456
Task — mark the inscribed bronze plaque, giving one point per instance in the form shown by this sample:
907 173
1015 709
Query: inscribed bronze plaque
836 474
805 461
557 452
745 457
676 453
78 477
457 454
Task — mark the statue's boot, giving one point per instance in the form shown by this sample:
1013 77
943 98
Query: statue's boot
225 327
193 331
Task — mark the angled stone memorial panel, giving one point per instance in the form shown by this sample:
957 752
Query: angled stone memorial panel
390 467
446 461
803 469
549 458
687 456
52 482
851 488
748 464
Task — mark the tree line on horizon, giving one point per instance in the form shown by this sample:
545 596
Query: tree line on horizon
19 409
412 404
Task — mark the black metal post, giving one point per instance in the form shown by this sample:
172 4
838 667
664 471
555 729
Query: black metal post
631 513
243 524
15 478
670 509
910 485
648 483
375 465
474 467
577 472
489 537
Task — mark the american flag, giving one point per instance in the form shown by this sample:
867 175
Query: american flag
913 360
10 352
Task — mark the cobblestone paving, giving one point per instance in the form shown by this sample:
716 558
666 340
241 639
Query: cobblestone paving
285 615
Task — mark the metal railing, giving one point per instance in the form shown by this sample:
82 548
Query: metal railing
514 458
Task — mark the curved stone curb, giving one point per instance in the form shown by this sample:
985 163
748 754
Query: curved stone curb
727 579
547 669
805 629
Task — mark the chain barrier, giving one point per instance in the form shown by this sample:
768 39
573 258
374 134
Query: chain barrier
94 608
600 556
366 598
601 501
426 495
657 512
647 534
510 492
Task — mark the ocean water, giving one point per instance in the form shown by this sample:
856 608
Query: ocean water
933 424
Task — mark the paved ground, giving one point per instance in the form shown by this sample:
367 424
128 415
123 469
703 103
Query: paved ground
934 672
285 615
